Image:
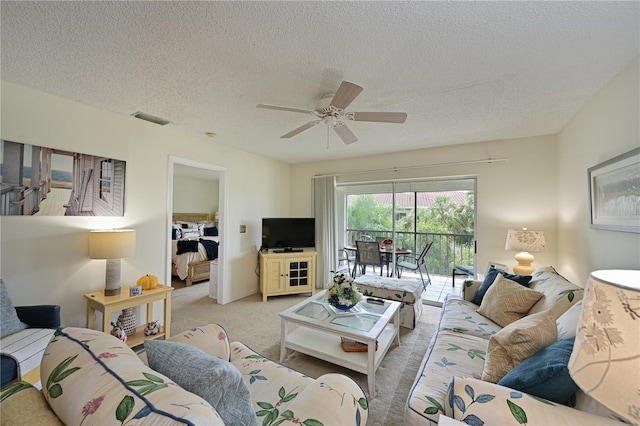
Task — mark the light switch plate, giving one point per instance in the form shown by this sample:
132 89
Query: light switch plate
243 229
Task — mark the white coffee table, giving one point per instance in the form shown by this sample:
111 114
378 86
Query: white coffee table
320 327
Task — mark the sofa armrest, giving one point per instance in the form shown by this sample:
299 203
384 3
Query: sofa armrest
470 288
40 316
473 401
211 338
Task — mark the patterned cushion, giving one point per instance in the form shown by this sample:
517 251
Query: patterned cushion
18 397
212 378
475 402
559 293
90 377
461 316
568 322
545 373
517 342
9 321
490 278
212 339
507 301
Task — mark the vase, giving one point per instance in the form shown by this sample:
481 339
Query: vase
128 321
344 307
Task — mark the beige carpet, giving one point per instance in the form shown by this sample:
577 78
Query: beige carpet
257 324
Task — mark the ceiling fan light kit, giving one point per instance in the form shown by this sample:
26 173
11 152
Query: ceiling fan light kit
330 110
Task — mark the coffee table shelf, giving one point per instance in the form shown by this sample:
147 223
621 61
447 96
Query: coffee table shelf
319 328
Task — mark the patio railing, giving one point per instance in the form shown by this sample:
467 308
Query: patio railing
447 249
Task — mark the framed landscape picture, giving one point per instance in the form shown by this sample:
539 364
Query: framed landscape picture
41 181
614 193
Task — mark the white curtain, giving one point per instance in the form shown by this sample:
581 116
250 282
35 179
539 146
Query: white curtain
325 214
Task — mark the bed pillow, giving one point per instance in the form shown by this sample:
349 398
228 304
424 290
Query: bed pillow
215 380
10 323
517 342
507 301
545 374
489 279
211 231
176 234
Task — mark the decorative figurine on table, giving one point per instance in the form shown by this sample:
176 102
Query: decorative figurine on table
118 332
152 329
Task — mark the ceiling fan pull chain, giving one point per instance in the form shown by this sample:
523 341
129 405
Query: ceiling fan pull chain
327 137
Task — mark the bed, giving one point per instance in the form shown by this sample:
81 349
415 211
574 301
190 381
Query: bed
202 264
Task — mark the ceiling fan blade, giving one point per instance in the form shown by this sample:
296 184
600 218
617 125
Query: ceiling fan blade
381 117
279 108
346 93
345 133
300 129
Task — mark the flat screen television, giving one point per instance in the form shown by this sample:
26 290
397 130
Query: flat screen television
288 234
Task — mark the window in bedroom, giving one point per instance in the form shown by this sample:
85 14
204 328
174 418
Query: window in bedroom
106 181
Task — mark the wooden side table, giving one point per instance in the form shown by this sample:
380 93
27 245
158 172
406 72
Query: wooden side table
109 304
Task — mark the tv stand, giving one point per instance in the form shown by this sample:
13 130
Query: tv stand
289 250
287 272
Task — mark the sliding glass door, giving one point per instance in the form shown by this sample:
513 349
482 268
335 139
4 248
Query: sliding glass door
412 214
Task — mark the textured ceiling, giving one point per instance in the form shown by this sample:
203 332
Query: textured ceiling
463 71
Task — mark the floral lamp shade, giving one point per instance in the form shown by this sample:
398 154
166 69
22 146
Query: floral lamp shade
525 242
605 361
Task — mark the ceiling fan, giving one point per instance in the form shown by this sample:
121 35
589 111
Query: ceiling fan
330 110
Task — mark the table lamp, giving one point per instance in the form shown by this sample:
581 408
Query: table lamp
112 245
605 362
525 242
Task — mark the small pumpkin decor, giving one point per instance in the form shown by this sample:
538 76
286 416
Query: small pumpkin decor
148 282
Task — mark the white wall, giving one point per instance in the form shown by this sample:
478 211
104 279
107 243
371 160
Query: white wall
44 259
511 194
195 195
608 126
543 185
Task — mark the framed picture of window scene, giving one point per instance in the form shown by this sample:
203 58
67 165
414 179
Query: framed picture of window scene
614 193
41 181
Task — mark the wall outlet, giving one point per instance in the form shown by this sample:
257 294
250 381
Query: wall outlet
243 229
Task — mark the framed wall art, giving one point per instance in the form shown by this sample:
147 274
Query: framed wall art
41 181
614 193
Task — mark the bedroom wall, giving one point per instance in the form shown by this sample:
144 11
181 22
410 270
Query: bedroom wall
607 126
511 194
44 259
195 195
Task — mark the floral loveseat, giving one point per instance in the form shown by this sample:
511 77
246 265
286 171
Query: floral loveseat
471 356
90 377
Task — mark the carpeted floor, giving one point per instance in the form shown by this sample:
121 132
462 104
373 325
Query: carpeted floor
257 324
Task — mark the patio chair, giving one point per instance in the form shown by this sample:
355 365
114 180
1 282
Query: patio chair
414 263
368 253
345 256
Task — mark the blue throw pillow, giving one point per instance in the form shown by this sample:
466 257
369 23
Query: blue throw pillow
213 379
492 273
545 374
211 232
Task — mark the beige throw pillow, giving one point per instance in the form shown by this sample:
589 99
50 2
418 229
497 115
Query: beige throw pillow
517 342
507 301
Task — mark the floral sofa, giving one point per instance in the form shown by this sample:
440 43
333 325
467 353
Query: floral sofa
471 359
90 377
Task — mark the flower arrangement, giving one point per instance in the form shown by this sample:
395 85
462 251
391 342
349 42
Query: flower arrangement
387 241
343 292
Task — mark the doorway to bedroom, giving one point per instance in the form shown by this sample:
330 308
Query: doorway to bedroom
197 189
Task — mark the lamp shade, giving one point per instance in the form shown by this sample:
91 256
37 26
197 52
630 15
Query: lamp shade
112 243
525 240
605 361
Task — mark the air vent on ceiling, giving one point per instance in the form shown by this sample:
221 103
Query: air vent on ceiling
150 118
